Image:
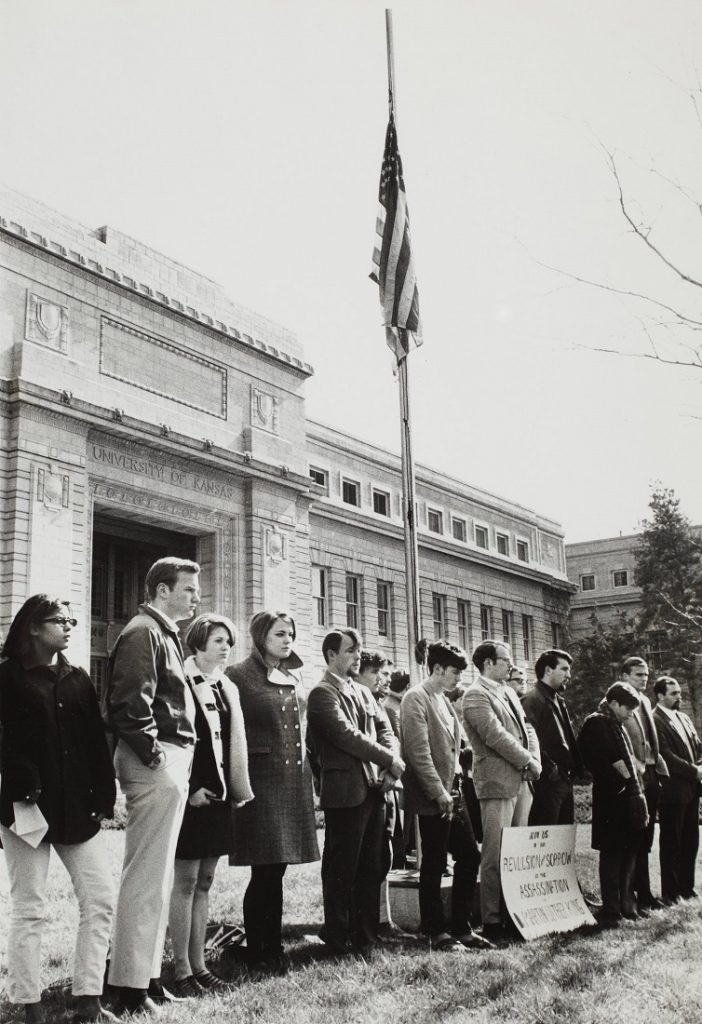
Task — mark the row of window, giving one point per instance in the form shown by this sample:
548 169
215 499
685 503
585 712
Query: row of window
384 600
351 495
620 578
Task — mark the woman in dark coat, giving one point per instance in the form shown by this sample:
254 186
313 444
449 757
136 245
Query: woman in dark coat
219 782
619 811
278 827
57 783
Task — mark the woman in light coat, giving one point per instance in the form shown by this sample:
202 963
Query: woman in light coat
219 782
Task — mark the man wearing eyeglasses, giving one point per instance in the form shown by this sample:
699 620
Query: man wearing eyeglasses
505 761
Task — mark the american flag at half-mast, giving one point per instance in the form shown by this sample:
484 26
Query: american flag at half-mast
393 263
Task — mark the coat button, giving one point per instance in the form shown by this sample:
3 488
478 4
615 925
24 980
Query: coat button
299 762
286 761
60 703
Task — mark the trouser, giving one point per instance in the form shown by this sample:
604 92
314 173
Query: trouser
156 799
497 814
89 869
441 836
553 803
679 841
263 910
616 880
352 870
642 881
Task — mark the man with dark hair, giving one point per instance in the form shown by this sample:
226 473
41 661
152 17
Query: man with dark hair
399 684
619 811
679 803
354 755
641 730
546 711
432 738
505 760
151 711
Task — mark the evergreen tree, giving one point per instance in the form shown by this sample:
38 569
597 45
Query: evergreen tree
669 572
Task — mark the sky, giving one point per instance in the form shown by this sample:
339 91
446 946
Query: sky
244 138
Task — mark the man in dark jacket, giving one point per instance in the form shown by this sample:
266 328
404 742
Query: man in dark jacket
354 756
619 811
546 711
680 802
641 730
151 711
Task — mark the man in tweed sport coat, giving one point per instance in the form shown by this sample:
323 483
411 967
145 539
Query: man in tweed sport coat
505 760
354 757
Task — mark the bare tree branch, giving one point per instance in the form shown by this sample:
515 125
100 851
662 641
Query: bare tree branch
645 235
686 616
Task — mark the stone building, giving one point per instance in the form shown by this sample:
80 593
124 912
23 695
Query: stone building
603 573
143 412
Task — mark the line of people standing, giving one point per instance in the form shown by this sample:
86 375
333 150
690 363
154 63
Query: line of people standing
214 761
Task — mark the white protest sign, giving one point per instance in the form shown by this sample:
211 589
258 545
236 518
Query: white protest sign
539 883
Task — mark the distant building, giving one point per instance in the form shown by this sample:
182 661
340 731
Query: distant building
603 573
144 413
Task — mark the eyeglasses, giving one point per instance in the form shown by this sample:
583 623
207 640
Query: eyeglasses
62 620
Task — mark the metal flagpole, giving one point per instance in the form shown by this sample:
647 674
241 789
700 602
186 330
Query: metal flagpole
408 500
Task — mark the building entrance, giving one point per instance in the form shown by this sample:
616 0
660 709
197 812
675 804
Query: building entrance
123 551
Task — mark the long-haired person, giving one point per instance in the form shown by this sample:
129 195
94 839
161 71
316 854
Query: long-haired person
277 828
218 783
55 765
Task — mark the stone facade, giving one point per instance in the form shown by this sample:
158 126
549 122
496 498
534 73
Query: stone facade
142 413
603 573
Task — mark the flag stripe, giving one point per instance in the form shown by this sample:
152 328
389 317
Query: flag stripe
393 262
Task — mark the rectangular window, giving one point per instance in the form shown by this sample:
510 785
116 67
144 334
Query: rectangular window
527 633
435 520
321 477
464 637
351 492
620 578
522 551
381 502
384 609
481 537
502 543
485 622
353 603
658 649
587 581
458 527
438 604
556 634
319 595
506 626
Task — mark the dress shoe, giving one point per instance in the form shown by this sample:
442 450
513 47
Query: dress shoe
34 1013
210 982
496 934
187 988
445 943
134 1000
390 933
650 903
87 1009
160 994
691 895
607 919
471 940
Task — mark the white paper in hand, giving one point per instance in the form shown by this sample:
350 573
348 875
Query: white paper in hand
30 824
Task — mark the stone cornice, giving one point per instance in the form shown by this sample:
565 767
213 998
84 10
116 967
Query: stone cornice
81 416
145 294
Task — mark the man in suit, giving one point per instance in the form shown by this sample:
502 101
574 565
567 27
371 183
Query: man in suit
679 804
641 730
151 711
546 711
355 758
432 737
505 762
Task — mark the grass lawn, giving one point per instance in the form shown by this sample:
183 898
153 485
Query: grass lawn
647 972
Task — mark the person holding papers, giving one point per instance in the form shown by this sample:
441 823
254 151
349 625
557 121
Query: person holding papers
57 785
